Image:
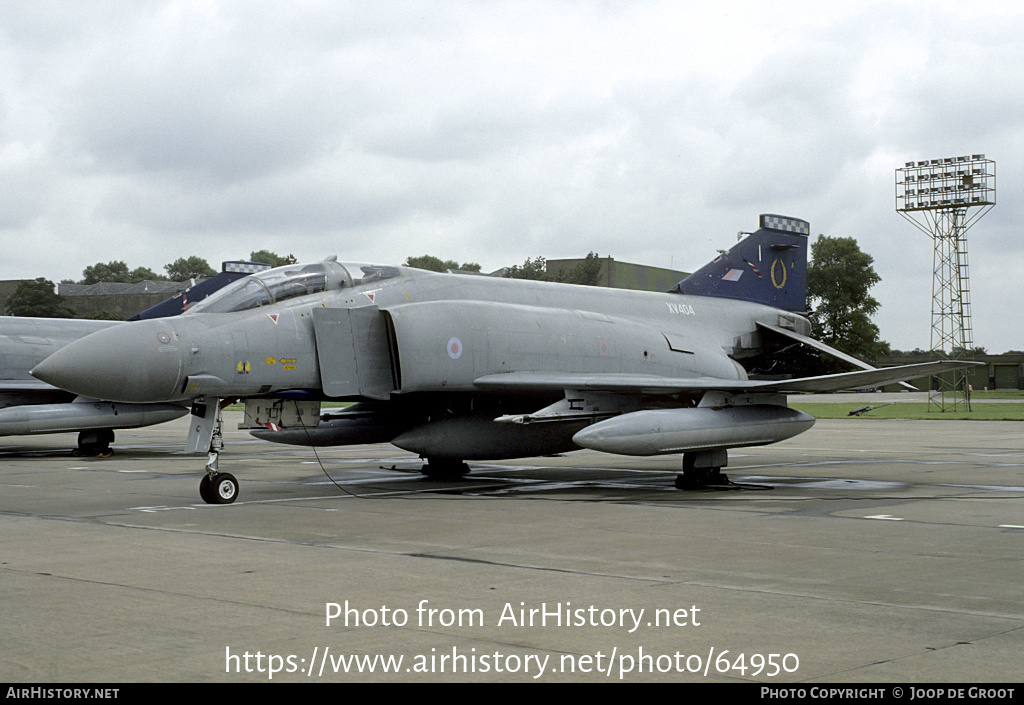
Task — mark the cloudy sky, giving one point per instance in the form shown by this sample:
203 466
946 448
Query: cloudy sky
649 131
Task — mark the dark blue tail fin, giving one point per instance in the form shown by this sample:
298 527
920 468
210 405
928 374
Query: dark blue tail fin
766 267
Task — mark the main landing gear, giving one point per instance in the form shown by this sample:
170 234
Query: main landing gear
703 469
95 443
444 469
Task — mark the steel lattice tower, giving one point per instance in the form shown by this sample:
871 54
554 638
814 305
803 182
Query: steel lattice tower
944 198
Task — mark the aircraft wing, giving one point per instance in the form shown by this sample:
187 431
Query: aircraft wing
651 384
27 385
29 391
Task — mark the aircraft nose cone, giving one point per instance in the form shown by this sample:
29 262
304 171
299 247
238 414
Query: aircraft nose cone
132 362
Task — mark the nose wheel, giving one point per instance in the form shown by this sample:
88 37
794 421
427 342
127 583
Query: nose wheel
218 488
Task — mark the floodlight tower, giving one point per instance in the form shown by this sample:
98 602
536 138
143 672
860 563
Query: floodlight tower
943 198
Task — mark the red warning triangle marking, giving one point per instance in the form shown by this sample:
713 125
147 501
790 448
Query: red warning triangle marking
273 317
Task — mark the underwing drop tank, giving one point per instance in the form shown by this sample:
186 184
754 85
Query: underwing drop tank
665 431
84 414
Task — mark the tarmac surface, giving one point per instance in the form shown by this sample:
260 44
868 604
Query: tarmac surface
860 551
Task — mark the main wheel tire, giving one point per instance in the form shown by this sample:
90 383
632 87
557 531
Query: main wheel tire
444 469
696 478
95 443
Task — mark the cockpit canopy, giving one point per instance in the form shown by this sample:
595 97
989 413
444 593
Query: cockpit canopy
281 283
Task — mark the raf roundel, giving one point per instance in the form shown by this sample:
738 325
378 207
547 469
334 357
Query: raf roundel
454 348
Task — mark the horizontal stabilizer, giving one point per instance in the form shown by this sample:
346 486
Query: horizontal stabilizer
827 349
816 344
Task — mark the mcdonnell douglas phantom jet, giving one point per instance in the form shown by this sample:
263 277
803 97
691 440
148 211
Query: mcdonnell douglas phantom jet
458 367
29 406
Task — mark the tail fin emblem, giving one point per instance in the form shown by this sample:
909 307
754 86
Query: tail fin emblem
782 267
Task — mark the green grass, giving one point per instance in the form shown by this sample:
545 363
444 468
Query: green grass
999 394
914 410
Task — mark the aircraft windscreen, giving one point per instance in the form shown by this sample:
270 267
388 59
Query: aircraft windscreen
265 288
283 283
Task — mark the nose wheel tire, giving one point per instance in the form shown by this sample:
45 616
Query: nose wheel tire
221 488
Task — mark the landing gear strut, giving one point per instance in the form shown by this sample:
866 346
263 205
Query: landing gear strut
216 487
444 469
95 442
703 469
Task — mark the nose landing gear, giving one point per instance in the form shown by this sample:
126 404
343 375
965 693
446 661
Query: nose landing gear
216 487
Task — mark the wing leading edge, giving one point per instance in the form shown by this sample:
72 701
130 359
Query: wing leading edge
650 384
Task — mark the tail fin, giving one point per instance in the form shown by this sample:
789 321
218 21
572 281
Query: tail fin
768 267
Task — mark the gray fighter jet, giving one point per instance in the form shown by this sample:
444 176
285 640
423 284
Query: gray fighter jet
29 406
458 367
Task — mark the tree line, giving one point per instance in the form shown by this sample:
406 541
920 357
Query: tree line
182 269
587 271
38 299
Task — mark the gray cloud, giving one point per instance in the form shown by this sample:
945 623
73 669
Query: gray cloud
648 131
